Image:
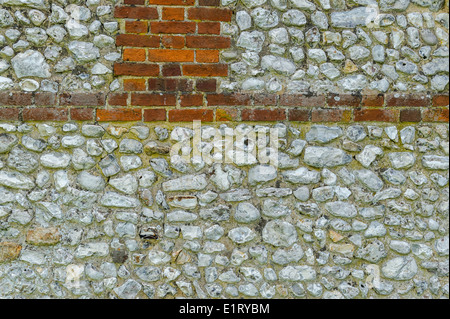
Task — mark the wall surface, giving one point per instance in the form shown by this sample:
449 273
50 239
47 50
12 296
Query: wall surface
320 170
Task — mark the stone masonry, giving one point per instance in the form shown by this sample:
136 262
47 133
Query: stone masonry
108 191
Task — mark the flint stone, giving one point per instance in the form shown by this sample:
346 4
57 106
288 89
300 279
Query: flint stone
91 182
400 268
55 160
302 176
15 180
7 142
128 290
369 179
341 209
402 160
323 134
186 183
112 199
279 233
246 213
30 64
261 174
435 162
360 16
84 51
241 235
326 157
21 160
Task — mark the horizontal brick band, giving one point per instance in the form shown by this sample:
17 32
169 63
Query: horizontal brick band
187 114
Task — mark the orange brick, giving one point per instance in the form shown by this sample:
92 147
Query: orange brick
207 42
173 2
128 12
436 115
205 70
228 114
136 26
119 115
210 14
137 40
174 14
135 55
376 115
177 27
191 115
191 100
263 115
152 115
134 84
163 55
173 42
207 56
136 69
208 28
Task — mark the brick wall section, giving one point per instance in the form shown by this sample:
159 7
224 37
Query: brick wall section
210 107
170 68
165 42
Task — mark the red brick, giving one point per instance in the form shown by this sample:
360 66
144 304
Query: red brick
118 99
206 85
210 14
128 12
151 99
227 114
18 99
229 99
299 115
135 2
410 115
174 14
45 99
265 99
173 2
302 100
134 84
134 55
263 115
177 27
82 99
376 115
171 70
136 69
208 27
207 42
207 56
45 114
191 115
119 115
167 55
205 70
407 100
82 114
440 100
173 42
209 3
151 115
343 100
9 114
136 26
170 85
330 115
373 100
435 115
137 40
191 100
